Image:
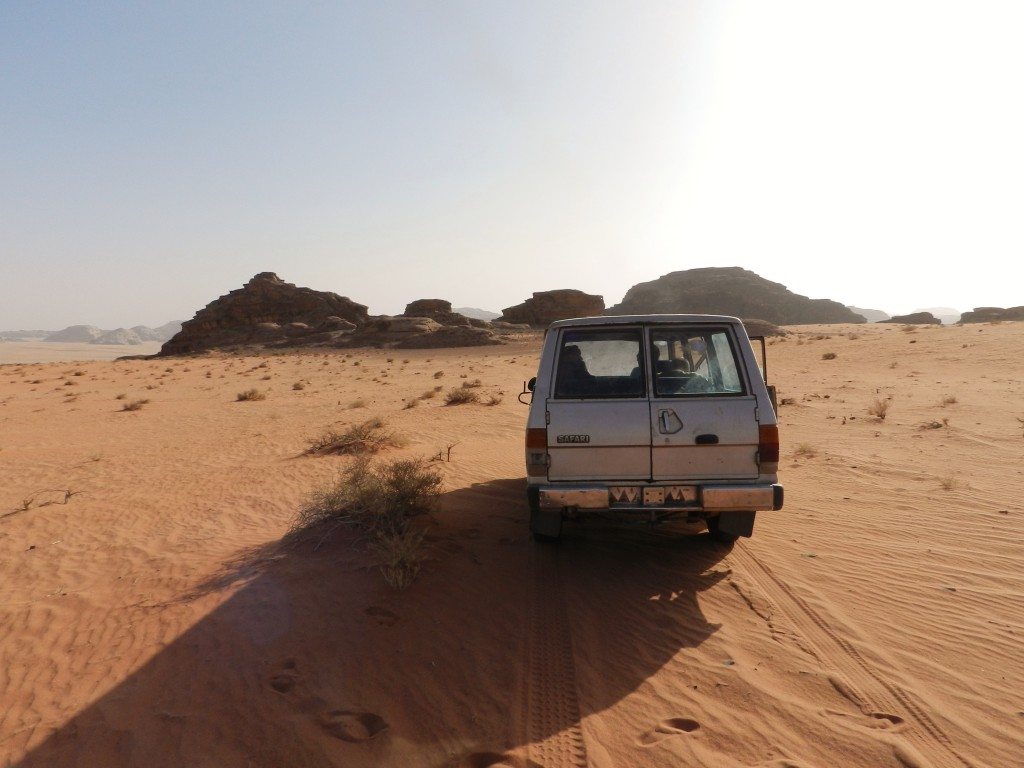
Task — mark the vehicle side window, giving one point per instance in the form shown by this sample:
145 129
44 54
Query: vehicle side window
600 364
694 362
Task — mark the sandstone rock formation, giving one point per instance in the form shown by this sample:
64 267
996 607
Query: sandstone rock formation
992 314
236 318
945 315
547 306
161 333
440 311
915 318
730 291
417 333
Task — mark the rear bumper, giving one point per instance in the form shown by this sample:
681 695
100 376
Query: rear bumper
711 498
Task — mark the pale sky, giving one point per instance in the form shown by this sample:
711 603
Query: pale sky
154 158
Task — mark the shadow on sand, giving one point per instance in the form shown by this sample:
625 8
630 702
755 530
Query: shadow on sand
309 660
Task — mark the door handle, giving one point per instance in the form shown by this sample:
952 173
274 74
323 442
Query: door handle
669 422
707 439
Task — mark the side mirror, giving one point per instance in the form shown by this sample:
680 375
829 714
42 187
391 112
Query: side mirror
528 390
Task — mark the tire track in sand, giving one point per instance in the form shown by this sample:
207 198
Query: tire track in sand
551 703
877 696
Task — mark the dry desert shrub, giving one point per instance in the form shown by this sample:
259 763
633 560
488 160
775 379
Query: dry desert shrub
357 403
829 356
949 400
472 384
134 405
250 395
369 436
493 400
298 386
410 404
461 396
378 502
948 484
430 393
438 374
879 408
806 450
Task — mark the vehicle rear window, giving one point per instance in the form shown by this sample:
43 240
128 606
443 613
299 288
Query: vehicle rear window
694 362
600 364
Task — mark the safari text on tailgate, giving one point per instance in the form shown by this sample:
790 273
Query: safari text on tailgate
572 439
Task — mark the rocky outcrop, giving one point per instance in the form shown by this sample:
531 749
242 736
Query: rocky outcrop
545 307
417 333
871 315
730 291
992 315
945 315
441 312
915 318
245 316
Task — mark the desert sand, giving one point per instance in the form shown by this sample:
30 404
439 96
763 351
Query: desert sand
151 615
53 352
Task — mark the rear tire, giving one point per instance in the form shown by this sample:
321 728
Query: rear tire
718 535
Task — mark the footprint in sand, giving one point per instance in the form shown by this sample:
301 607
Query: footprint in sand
286 676
382 616
352 726
884 720
673 726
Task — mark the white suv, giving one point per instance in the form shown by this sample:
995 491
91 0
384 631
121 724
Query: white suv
653 417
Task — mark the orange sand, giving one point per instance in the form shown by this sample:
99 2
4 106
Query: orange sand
154 619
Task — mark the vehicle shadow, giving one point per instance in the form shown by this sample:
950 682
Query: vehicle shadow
310 660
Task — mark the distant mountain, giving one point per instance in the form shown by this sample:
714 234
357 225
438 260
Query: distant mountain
871 315
947 315
76 334
23 335
478 314
730 291
90 334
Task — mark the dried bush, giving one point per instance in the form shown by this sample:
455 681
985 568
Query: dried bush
378 501
460 396
472 384
410 404
429 394
250 394
357 404
829 356
949 400
879 408
806 450
367 437
493 400
298 385
134 405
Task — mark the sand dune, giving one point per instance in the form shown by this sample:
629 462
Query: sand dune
154 617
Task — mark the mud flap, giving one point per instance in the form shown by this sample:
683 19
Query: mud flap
736 523
544 524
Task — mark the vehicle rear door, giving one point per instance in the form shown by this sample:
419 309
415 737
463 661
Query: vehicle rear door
598 412
703 415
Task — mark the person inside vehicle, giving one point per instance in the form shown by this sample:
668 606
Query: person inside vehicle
574 379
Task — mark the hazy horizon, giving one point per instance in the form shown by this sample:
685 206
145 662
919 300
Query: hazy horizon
156 158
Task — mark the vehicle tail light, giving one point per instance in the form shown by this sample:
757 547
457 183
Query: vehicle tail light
768 447
537 452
